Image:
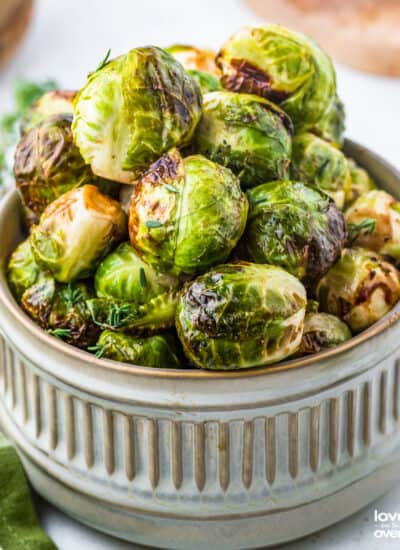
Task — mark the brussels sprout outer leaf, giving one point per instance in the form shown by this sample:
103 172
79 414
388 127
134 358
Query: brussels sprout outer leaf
155 351
322 331
249 134
54 102
360 288
76 231
22 271
241 315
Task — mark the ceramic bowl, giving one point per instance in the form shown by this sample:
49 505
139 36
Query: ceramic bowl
197 459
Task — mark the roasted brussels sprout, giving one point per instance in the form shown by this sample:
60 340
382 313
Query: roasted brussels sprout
134 109
331 126
48 164
360 288
61 310
76 231
296 227
322 331
318 163
373 222
186 214
247 133
241 315
22 271
361 182
200 64
55 102
284 66
155 351
132 295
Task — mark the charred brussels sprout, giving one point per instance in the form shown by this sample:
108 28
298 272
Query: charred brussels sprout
55 102
186 214
155 351
284 66
322 331
247 133
361 182
296 227
200 64
61 310
331 127
360 288
132 295
22 271
48 164
320 164
241 315
374 222
76 231
134 109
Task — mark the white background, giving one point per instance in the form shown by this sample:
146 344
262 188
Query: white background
69 38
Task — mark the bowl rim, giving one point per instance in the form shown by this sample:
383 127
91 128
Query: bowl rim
14 309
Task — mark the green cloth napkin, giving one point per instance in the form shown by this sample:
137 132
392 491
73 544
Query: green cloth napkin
19 526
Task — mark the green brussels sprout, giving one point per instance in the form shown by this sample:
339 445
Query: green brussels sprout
361 182
247 133
186 214
61 310
200 64
296 227
76 231
373 222
322 331
131 294
55 102
154 351
317 162
332 125
134 109
360 288
22 270
284 66
48 164
241 315
122 316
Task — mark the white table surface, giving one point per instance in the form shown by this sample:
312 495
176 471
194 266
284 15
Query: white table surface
68 39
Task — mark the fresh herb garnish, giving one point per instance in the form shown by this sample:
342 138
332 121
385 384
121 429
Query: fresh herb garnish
60 332
73 295
356 230
98 350
171 188
142 277
117 314
153 223
104 61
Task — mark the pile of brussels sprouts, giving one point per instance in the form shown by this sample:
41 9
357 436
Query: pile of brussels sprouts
193 210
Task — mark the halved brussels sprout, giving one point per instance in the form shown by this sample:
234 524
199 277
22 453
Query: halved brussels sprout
76 231
247 133
322 331
361 181
373 222
155 351
55 102
320 164
284 66
331 126
241 315
360 288
296 227
186 214
200 64
22 270
48 164
134 109
61 310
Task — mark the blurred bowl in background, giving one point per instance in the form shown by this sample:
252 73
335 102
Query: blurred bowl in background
361 33
15 17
